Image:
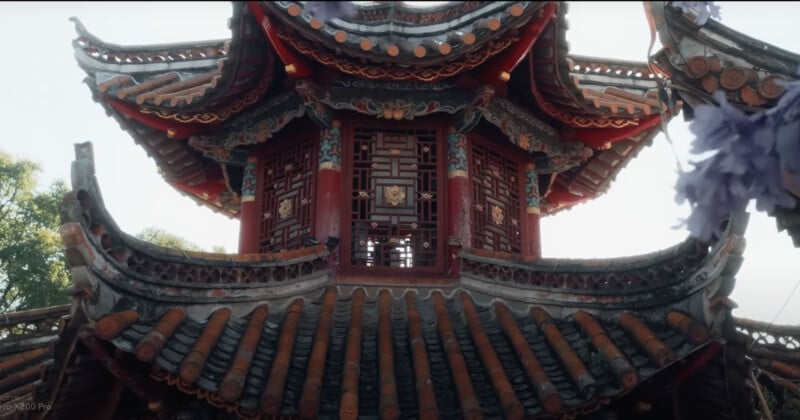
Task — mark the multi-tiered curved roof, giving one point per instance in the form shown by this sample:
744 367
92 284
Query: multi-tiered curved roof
196 108
159 332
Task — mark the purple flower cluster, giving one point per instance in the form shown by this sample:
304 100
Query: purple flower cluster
703 10
329 10
751 153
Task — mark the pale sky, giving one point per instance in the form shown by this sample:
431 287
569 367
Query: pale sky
46 108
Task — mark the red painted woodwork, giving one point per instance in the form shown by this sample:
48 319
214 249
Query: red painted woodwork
531 240
210 188
296 67
175 130
248 219
559 196
599 137
328 204
459 227
499 68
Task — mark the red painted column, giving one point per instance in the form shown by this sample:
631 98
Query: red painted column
328 208
459 199
248 219
531 235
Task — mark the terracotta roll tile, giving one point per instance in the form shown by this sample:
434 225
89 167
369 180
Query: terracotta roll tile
20 391
25 375
426 395
494 368
310 398
547 392
176 86
658 352
22 358
152 343
113 324
192 366
572 363
273 392
470 408
770 88
388 406
114 82
233 383
145 86
622 369
781 368
352 360
694 331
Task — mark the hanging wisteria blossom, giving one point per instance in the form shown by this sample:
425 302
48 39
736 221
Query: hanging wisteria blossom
751 155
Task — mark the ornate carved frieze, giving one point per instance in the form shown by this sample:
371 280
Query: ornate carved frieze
227 111
249 180
330 147
456 155
352 67
256 125
531 189
386 100
533 135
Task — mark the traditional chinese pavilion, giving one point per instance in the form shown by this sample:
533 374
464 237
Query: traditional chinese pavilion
390 168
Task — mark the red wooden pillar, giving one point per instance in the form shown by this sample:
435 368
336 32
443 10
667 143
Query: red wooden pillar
248 219
328 210
531 236
459 199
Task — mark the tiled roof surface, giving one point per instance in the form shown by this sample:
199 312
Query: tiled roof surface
27 341
347 354
195 82
391 32
586 91
594 177
701 59
775 349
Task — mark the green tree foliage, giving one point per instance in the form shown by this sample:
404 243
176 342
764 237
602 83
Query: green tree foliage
160 237
169 240
32 269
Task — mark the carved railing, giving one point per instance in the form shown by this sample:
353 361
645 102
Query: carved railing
616 276
156 264
690 260
775 342
23 330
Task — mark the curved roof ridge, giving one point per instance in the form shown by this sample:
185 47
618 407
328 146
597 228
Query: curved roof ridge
80 28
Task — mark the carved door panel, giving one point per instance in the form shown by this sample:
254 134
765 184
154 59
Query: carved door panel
495 200
287 196
395 199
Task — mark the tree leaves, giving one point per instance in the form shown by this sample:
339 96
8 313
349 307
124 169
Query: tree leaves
166 239
750 155
32 269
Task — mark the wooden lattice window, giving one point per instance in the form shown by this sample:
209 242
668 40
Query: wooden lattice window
395 199
496 206
288 174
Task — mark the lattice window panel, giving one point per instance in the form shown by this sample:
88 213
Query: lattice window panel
287 196
395 198
496 206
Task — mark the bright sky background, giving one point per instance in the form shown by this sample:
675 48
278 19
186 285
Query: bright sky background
46 108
